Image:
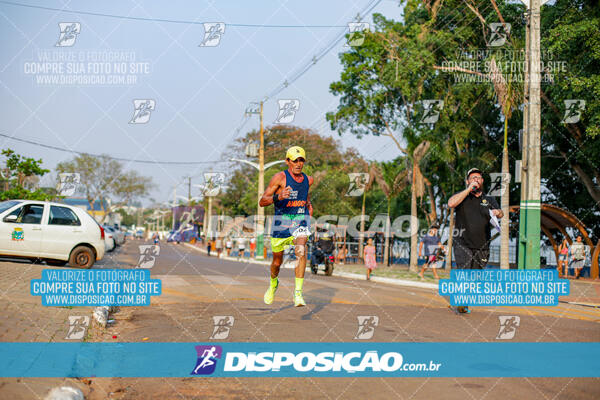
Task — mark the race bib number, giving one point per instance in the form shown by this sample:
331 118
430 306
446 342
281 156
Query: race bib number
301 231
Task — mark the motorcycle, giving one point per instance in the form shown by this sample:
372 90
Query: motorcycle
322 259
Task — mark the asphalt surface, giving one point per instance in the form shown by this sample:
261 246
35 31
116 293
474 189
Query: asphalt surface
197 287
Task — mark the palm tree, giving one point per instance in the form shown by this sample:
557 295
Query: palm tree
391 178
417 190
367 187
506 94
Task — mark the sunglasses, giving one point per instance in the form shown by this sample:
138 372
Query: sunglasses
297 160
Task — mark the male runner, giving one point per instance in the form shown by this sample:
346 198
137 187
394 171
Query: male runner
288 191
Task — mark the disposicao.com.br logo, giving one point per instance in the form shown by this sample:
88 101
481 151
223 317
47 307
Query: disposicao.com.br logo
273 363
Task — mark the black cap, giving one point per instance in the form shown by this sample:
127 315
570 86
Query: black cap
472 171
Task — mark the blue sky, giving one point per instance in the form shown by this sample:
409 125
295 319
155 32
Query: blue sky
200 92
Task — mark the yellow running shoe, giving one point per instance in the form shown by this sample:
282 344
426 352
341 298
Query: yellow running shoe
270 293
298 300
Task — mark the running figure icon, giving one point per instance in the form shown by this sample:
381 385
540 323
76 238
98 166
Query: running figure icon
207 359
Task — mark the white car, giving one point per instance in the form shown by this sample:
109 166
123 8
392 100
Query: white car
109 241
117 234
55 232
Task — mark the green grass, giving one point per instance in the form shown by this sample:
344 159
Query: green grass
395 271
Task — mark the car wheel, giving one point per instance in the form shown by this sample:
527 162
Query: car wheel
82 257
56 263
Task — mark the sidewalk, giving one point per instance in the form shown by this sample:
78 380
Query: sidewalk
24 319
585 292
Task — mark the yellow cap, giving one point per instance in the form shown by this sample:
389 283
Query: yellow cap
295 152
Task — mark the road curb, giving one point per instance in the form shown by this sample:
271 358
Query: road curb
246 260
391 281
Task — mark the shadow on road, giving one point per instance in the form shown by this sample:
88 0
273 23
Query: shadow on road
324 293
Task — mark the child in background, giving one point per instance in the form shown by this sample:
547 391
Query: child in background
369 255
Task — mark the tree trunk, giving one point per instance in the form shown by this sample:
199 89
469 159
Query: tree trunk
361 235
450 240
414 224
204 219
504 222
386 246
92 209
433 213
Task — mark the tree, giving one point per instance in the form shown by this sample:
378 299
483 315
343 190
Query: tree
21 175
368 186
21 168
403 63
391 178
103 177
130 187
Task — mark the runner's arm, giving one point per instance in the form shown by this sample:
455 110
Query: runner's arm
310 207
274 185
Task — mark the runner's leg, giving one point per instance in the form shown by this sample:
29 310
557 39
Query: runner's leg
276 264
300 251
274 281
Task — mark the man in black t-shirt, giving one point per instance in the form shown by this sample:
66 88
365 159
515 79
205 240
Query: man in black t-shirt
471 234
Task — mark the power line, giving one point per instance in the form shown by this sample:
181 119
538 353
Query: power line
307 66
301 71
172 21
47 146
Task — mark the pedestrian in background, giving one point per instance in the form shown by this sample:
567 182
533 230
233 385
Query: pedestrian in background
369 256
252 247
472 232
577 256
563 262
241 247
219 246
341 254
229 246
430 242
208 247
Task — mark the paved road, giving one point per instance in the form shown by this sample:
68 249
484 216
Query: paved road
196 288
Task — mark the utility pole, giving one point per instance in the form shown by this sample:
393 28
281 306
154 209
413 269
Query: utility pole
173 207
209 219
260 212
260 223
189 189
530 210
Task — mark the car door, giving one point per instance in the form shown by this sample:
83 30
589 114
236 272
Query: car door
61 233
23 231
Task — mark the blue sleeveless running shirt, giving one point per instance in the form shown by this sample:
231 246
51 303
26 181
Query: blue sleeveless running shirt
292 212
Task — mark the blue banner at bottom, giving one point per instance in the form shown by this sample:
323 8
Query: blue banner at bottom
239 359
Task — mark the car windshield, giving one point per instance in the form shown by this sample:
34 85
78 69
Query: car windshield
5 205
